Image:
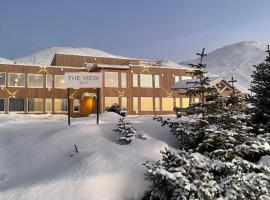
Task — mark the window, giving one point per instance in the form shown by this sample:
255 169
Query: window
2 105
177 102
124 80
135 80
186 77
146 104
16 105
60 105
167 104
124 103
17 79
176 79
35 80
110 101
35 105
157 104
76 105
111 79
49 105
196 100
185 102
49 80
135 104
146 80
157 81
59 81
2 78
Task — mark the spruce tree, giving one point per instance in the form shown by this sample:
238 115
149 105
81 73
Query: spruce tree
261 99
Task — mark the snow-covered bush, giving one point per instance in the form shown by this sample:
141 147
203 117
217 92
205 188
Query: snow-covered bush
126 131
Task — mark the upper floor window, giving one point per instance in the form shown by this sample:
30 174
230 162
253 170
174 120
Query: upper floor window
17 80
35 80
59 81
49 80
135 80
111 79
2 78
146 80
157 81
124 80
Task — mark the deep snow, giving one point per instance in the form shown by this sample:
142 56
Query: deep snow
35 161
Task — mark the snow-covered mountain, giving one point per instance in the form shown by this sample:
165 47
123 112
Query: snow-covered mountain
5 61
235 60
45 56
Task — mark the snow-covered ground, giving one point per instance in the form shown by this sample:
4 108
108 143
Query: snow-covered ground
35 161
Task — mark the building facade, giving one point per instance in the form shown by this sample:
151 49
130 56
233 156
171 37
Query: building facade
140 87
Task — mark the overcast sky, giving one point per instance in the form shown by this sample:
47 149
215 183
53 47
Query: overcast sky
154 29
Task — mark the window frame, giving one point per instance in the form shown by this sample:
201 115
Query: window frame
24 86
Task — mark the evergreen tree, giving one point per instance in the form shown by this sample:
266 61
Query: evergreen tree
126 131
261 99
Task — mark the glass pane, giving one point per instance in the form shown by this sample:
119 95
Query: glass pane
35 80
16 105
135 104
76 105
2 78
35 105
157 104
167 104
177 102
124 80
111 79
59 81
135 80
110 101
157 84
49 81
124 103
146 80
146 104
176 79
185 102
17 79
2 105
60 105
48 105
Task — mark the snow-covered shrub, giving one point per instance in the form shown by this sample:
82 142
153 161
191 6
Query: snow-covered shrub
126 131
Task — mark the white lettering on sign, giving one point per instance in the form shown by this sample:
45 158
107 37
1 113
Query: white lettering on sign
83 80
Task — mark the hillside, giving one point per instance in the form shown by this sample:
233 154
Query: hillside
235 60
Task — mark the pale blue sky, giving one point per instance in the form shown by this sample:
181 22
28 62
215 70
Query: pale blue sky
172 29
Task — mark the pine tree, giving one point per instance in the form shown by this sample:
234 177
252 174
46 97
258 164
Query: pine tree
126 131
261 99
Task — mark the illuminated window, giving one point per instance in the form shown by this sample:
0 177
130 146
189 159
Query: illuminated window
2 105
124 80
135 104
16 105
185 102
167 104
196 100
146 104
49 80
135 80
157 81
111 101
35 80
35 105
49 105
17 79
76 105
186 77
59 81
176 78
2 78
111 79
124 103
60 105
177 102
157 104
146 80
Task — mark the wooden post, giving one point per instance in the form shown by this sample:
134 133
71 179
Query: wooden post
68 96
97 103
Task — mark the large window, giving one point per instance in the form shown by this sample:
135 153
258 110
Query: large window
35 80
146 80
49 105
16 105
135 80
124 80
76 105
124 103
157 81
110 101
2 78
185 102
111 79
167 104
59 81
17 79
147 104
49 80
2 105
60 105
157 104
135 104
35 105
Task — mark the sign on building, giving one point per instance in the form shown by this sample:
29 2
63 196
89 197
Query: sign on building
83 80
